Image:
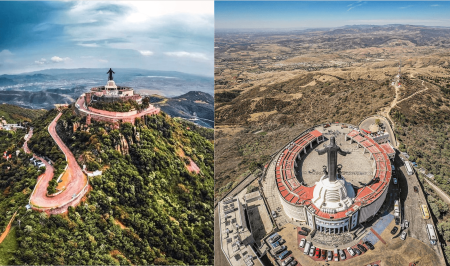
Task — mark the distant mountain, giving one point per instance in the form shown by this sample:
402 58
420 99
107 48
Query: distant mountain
195 105
42 89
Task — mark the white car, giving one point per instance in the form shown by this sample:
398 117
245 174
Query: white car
406 224
403 235
286 262
311 250
350 251
302 243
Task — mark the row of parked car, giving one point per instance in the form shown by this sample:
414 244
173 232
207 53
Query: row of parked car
310 250
280 251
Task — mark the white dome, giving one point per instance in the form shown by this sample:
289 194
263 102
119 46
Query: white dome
332 197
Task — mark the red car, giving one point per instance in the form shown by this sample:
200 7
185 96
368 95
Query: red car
317 252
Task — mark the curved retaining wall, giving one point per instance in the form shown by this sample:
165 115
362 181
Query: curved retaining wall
371 209
109 113
293 211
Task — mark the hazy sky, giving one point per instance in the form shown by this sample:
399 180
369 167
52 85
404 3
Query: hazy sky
254 15
152 35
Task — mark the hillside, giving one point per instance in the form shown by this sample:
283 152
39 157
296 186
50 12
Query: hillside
270 86
146 207
15 114
200 103
255 121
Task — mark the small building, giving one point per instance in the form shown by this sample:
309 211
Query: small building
389 149
380 137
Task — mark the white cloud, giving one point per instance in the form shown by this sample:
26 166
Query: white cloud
435 5
58 59
146 53
187 54
40 62
88 44
5 53
351 7
405 7
103 61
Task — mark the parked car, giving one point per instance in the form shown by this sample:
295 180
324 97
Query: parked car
282 248
357 251
313 233
317 252
274 214
394 230
403 235
307 246
286 261
350 251
330 255
342 254
283 254
416 189
324 254
336 255
276 244
303 233
369 245
395 180
362 248
302 243
311 250
306 229
274 239
293 263
405 224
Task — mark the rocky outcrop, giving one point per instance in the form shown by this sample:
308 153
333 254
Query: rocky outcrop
122 145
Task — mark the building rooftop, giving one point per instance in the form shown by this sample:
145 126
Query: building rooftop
297 194
236 238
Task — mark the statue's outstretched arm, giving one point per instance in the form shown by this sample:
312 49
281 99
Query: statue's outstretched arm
322 151
343 153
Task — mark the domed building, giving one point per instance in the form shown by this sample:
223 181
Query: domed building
332 204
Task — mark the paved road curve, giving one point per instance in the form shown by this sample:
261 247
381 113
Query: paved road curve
39 198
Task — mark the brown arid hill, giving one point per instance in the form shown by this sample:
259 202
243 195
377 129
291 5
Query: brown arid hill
266 95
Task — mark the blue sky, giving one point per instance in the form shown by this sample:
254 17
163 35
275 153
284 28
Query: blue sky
171 35
298 15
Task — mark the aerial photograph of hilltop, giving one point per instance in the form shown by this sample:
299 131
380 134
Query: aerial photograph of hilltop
367 84
106 133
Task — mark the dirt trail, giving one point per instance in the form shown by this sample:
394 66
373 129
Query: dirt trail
426 88
386 113
8 227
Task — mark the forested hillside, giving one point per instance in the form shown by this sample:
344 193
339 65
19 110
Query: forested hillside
15 114
145 208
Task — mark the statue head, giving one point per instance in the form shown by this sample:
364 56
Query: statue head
332 141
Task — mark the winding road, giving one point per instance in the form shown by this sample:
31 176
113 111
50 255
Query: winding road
74 190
